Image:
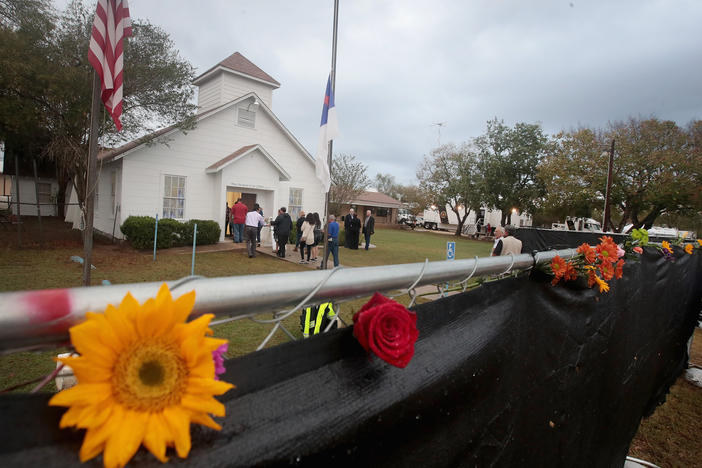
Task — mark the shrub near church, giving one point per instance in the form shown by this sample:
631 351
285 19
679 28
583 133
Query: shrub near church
139 231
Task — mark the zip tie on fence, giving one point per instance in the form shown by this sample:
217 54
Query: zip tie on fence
465 281
186 279
411 292
509 267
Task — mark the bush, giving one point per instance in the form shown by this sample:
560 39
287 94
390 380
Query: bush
342 237
170 234
292 238
207 232
139 231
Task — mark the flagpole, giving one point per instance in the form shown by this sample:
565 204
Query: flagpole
91 180
331 142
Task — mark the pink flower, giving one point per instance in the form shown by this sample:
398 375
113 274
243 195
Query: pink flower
638 250
620 252
218 358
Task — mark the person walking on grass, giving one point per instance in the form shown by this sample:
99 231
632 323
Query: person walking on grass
283 226
252 221
298 223
368 227
332 241
307 239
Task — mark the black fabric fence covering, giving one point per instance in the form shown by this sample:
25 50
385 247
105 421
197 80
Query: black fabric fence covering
549 239
514 373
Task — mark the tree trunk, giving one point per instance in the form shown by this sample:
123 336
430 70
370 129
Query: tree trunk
651 217
459 229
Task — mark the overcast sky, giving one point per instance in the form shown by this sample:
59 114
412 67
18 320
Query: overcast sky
403 65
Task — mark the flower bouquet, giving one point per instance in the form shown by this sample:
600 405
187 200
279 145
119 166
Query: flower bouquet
597 264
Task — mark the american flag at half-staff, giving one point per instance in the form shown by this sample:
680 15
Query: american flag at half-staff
329 129
111 25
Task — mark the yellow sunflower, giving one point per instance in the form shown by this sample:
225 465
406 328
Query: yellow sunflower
143 376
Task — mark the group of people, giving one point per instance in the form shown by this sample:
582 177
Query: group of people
245 225
352 227
236 220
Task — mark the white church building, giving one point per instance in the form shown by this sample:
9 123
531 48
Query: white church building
239 149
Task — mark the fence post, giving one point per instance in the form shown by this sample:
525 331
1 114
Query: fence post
155 236
36 194
192 263
114 223
19 215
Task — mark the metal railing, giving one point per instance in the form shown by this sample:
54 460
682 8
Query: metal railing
36 319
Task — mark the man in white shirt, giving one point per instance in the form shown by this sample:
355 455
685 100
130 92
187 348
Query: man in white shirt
505 243
253 219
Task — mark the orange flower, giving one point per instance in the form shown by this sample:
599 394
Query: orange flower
619 269
558 266
607 270
688 248
569 272
699 241
588 252
607 251
591 278
666 246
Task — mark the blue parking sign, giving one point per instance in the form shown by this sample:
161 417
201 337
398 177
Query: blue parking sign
450 251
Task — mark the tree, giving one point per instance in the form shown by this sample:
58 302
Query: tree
656 170
508 160
451 174
414 197
572 174
46 75
349 179
385 183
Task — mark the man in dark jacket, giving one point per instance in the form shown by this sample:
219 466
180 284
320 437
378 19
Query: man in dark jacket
368 227
353 230
348 219
283 226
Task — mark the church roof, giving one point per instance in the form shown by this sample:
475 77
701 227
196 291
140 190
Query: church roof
240 64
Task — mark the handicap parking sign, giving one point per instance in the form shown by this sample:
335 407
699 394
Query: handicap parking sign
450 250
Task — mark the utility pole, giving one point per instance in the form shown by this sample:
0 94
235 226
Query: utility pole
607 220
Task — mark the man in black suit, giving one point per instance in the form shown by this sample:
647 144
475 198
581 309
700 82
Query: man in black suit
368 227
347 228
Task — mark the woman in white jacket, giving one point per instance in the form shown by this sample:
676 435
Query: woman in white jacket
307 239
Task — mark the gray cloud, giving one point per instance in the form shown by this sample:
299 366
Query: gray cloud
403 65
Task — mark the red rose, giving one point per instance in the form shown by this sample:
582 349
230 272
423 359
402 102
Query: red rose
388 329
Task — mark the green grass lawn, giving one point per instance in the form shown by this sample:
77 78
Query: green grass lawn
405 246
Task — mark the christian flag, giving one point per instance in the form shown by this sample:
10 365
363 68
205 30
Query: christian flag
111 25
329 129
